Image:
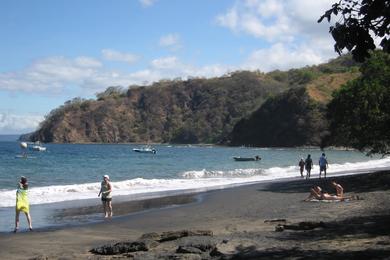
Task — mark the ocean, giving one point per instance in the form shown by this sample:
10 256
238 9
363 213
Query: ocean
73 172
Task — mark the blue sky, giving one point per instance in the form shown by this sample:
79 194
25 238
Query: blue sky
54 50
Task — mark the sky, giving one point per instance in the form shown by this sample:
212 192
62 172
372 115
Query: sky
52 51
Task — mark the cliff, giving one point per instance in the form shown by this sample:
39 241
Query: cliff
192 111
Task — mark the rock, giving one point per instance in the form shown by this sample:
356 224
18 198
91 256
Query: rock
229 249
181 257
305 225
153 236
173 235
202 243
124 247
188 250
279 228
40 257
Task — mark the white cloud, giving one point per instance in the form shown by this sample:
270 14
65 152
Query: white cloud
18 124
165 63
288 30
275 21
114 55
49 74
170 41
147 3
281 57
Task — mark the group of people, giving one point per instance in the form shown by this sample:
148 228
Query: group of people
316 193
23 204
308 165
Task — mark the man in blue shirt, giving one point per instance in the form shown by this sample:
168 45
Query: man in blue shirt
323 162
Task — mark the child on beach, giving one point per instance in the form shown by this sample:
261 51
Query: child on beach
105 191
22 203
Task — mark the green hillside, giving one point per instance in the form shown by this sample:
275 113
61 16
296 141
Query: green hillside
191 111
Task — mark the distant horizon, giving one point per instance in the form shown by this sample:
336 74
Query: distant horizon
9 137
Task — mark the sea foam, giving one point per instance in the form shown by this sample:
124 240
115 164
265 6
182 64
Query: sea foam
188 181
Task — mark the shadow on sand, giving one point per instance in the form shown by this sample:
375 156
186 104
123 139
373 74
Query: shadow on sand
352 183
350 229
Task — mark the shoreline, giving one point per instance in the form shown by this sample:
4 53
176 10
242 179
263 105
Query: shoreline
65 214
236 214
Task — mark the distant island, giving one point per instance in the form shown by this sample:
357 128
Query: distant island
279 108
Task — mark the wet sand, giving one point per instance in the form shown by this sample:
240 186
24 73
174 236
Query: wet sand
356 228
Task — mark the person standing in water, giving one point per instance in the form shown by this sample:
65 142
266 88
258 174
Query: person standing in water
323 163
105 191
301 165
22 203
308 165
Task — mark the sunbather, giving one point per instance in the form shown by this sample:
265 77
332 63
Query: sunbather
315 193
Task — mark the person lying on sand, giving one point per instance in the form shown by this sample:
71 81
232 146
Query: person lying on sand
339 189
316 193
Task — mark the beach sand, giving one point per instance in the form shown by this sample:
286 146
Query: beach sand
242 220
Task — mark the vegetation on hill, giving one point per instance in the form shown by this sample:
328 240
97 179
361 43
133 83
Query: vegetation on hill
359 113
289 119
296 117
191 111
196 110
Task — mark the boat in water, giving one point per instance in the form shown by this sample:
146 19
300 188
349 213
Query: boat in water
37 146
245 159
145 149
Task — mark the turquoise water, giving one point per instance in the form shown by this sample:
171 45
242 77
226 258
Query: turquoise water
69 175
74 170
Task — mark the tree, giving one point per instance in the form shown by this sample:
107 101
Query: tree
359 113
111 92
359 21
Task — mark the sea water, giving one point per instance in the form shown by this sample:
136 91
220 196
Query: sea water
73 172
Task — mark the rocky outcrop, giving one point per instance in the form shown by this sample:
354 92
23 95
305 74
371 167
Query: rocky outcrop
183 244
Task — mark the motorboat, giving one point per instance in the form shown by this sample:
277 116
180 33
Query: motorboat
245 159
38 148
145 149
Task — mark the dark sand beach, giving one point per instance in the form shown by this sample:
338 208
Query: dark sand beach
259 221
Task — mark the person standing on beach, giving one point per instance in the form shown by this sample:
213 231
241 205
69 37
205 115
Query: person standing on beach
301 165
323 162
308 165
22 203
105 191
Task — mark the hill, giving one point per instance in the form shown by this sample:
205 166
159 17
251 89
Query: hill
296 117
182 111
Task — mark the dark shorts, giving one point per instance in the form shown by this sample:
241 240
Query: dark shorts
322 168
106 199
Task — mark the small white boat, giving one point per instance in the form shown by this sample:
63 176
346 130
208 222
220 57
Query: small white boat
38 148
145 149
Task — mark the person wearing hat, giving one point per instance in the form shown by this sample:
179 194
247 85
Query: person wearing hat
105 191
22 203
